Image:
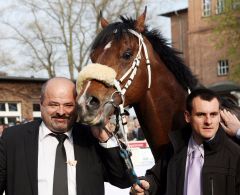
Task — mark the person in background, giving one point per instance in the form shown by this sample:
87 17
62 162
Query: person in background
111 125
201 159
230 123
56 155
138 130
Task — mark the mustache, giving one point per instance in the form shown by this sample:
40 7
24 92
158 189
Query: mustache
57 116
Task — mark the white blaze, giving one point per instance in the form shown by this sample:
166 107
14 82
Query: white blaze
108 45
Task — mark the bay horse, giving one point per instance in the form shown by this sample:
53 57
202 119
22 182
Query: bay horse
149 73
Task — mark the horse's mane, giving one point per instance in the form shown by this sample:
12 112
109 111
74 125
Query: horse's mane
168 55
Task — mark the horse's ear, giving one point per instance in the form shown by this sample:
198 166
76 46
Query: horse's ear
104 22
139 25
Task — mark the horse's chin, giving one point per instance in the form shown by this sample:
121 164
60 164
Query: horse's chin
100 117
91 120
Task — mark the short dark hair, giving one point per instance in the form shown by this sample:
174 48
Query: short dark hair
204 94
43 89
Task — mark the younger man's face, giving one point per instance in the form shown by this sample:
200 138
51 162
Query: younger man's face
204 118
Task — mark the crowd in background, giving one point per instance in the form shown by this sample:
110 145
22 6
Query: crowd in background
134 130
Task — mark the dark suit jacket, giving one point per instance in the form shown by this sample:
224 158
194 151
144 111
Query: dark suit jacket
19 162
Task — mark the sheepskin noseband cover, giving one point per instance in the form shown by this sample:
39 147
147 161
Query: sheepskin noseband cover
98 72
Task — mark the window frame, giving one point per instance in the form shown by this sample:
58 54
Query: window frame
223 67
36 113
206 8
7 114
220 6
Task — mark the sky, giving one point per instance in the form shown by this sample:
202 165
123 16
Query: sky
155 7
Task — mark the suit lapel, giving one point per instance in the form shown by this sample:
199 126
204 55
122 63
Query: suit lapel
80 170
81 152
31 147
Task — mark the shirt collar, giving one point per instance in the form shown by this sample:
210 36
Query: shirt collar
192 145
44 131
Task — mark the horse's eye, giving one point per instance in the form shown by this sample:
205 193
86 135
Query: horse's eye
127 55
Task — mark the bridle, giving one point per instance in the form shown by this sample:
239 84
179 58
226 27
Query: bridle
91 72
131 72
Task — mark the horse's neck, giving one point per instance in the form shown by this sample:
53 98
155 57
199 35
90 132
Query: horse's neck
161 110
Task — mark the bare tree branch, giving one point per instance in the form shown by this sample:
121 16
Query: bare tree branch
61 31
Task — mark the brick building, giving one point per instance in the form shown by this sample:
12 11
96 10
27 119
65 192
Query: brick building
192 34
19 99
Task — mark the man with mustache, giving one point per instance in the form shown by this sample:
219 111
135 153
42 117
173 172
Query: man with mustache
57 156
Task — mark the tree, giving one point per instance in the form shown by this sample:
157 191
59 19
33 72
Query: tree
227 29
58 33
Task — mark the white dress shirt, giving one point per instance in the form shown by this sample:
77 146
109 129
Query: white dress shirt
46 161
47 145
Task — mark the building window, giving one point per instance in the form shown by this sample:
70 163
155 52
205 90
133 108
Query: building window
2 121
10 113
206 8
2 107
36 107
223 67
12 107
235 4
220 6
36 111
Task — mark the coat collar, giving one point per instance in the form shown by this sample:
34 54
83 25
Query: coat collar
216 143
180 138
82 143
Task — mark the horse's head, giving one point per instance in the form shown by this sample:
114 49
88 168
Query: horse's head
120 72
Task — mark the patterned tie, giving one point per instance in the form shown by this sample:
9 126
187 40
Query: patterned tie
60 181
194 185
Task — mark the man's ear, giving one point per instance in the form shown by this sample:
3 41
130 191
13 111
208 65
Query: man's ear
187 116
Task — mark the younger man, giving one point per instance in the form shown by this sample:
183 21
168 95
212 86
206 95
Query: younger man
200 159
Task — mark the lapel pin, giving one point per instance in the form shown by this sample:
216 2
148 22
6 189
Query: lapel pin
72 162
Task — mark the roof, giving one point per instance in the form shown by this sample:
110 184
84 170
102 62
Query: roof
175 12
225 86
28 79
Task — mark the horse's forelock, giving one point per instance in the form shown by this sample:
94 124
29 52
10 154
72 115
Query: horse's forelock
114 31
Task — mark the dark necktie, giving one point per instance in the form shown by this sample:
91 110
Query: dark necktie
60 180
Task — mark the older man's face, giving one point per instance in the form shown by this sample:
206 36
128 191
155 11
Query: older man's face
58 108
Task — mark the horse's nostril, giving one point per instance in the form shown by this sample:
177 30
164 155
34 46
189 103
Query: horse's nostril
93 103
